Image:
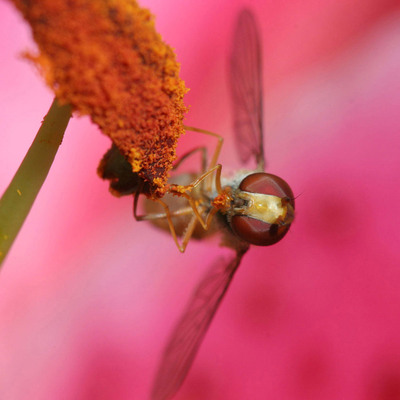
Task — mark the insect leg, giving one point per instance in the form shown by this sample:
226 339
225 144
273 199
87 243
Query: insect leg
190 153
167 214
217 151
183 211
185 192
152 216
189 229
163 215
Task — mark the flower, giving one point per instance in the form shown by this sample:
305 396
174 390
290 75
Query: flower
106 59
86 311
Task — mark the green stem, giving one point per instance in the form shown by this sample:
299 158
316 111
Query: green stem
20 195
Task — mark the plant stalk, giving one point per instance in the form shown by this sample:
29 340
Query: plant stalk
20 195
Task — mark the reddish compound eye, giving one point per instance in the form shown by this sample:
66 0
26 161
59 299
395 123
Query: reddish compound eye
258 232
264 183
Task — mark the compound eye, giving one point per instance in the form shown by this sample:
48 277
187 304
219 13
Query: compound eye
264 183
257 232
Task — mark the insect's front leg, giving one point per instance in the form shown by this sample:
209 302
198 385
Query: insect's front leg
185 191
217 151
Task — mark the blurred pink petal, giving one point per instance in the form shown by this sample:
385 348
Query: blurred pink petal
89 296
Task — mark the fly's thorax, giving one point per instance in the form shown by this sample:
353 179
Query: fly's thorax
234 179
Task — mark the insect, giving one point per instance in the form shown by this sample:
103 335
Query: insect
252 207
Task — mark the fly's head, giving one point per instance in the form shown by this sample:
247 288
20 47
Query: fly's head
263 209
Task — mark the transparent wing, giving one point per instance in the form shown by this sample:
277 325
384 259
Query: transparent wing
190 330
246 87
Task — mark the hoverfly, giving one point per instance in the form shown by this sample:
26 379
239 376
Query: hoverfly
253 207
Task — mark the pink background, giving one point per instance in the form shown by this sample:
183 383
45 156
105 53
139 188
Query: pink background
88 296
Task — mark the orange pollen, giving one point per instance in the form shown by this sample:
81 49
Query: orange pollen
105 58
222 201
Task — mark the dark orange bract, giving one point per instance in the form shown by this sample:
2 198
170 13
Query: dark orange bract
105 58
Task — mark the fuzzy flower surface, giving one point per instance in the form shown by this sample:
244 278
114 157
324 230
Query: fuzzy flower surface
106 59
